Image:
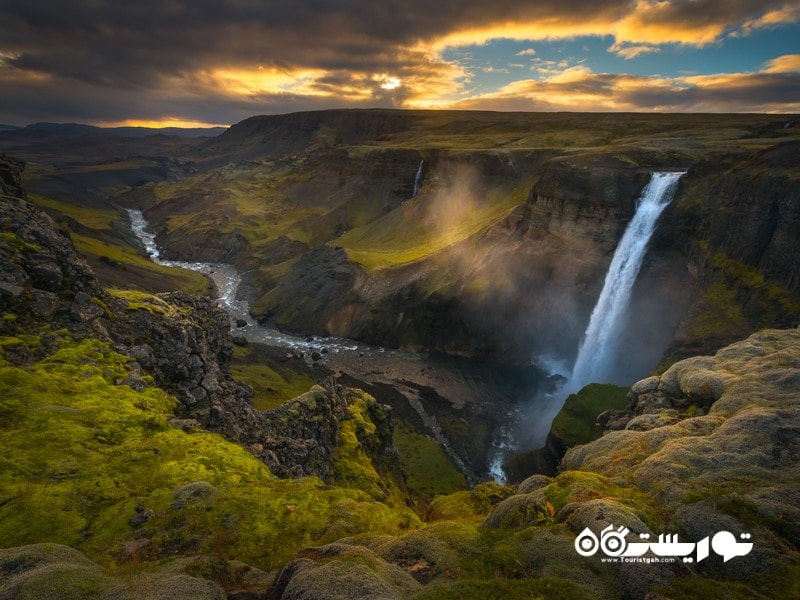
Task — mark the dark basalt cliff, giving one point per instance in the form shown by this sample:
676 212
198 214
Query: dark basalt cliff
318 208
737 229
722 263
474 296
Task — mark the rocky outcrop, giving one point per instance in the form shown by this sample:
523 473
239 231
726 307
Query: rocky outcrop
300 437
180 340
601 185
716 439
11 183
42 278
738 225
711 445
753 214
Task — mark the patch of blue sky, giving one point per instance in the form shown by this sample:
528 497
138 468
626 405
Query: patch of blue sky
502 61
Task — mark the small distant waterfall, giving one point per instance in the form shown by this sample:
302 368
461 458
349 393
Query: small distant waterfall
598 349
418 179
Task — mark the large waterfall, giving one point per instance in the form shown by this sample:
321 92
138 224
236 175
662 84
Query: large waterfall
598 349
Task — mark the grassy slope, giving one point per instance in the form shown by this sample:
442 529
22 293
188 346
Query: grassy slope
249 199
116 263
272 384
424 226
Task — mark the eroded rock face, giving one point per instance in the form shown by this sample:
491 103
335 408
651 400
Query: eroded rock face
314 290
526 272
11 183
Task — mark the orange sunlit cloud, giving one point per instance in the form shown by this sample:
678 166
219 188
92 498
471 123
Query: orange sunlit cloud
787 14
651 22
580 89
789 63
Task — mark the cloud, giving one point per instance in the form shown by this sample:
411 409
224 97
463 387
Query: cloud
788 63
643 22
580 89
217 61
789 13
629 51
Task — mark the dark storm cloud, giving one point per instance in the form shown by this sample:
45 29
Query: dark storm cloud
128 43
749 92
108 60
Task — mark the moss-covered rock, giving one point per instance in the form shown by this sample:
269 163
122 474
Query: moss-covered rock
342 571
474 503
718 471
46 571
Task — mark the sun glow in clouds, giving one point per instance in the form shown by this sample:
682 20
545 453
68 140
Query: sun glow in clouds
386 82
255 81
164 122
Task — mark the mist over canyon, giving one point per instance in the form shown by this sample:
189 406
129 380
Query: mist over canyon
411 297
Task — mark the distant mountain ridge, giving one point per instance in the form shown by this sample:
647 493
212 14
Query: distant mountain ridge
72 129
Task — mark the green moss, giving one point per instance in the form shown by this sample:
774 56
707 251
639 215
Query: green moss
14 244
512 589
576 422
80 453
580 486
64 581
749 277
743 274
701 588
722 313
470 504
352 462
734 293
143 301
428 469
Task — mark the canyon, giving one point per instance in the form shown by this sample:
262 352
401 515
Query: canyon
434 274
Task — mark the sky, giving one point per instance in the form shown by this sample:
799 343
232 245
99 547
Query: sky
216 62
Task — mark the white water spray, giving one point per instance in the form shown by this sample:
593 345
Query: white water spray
418 179
597 352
